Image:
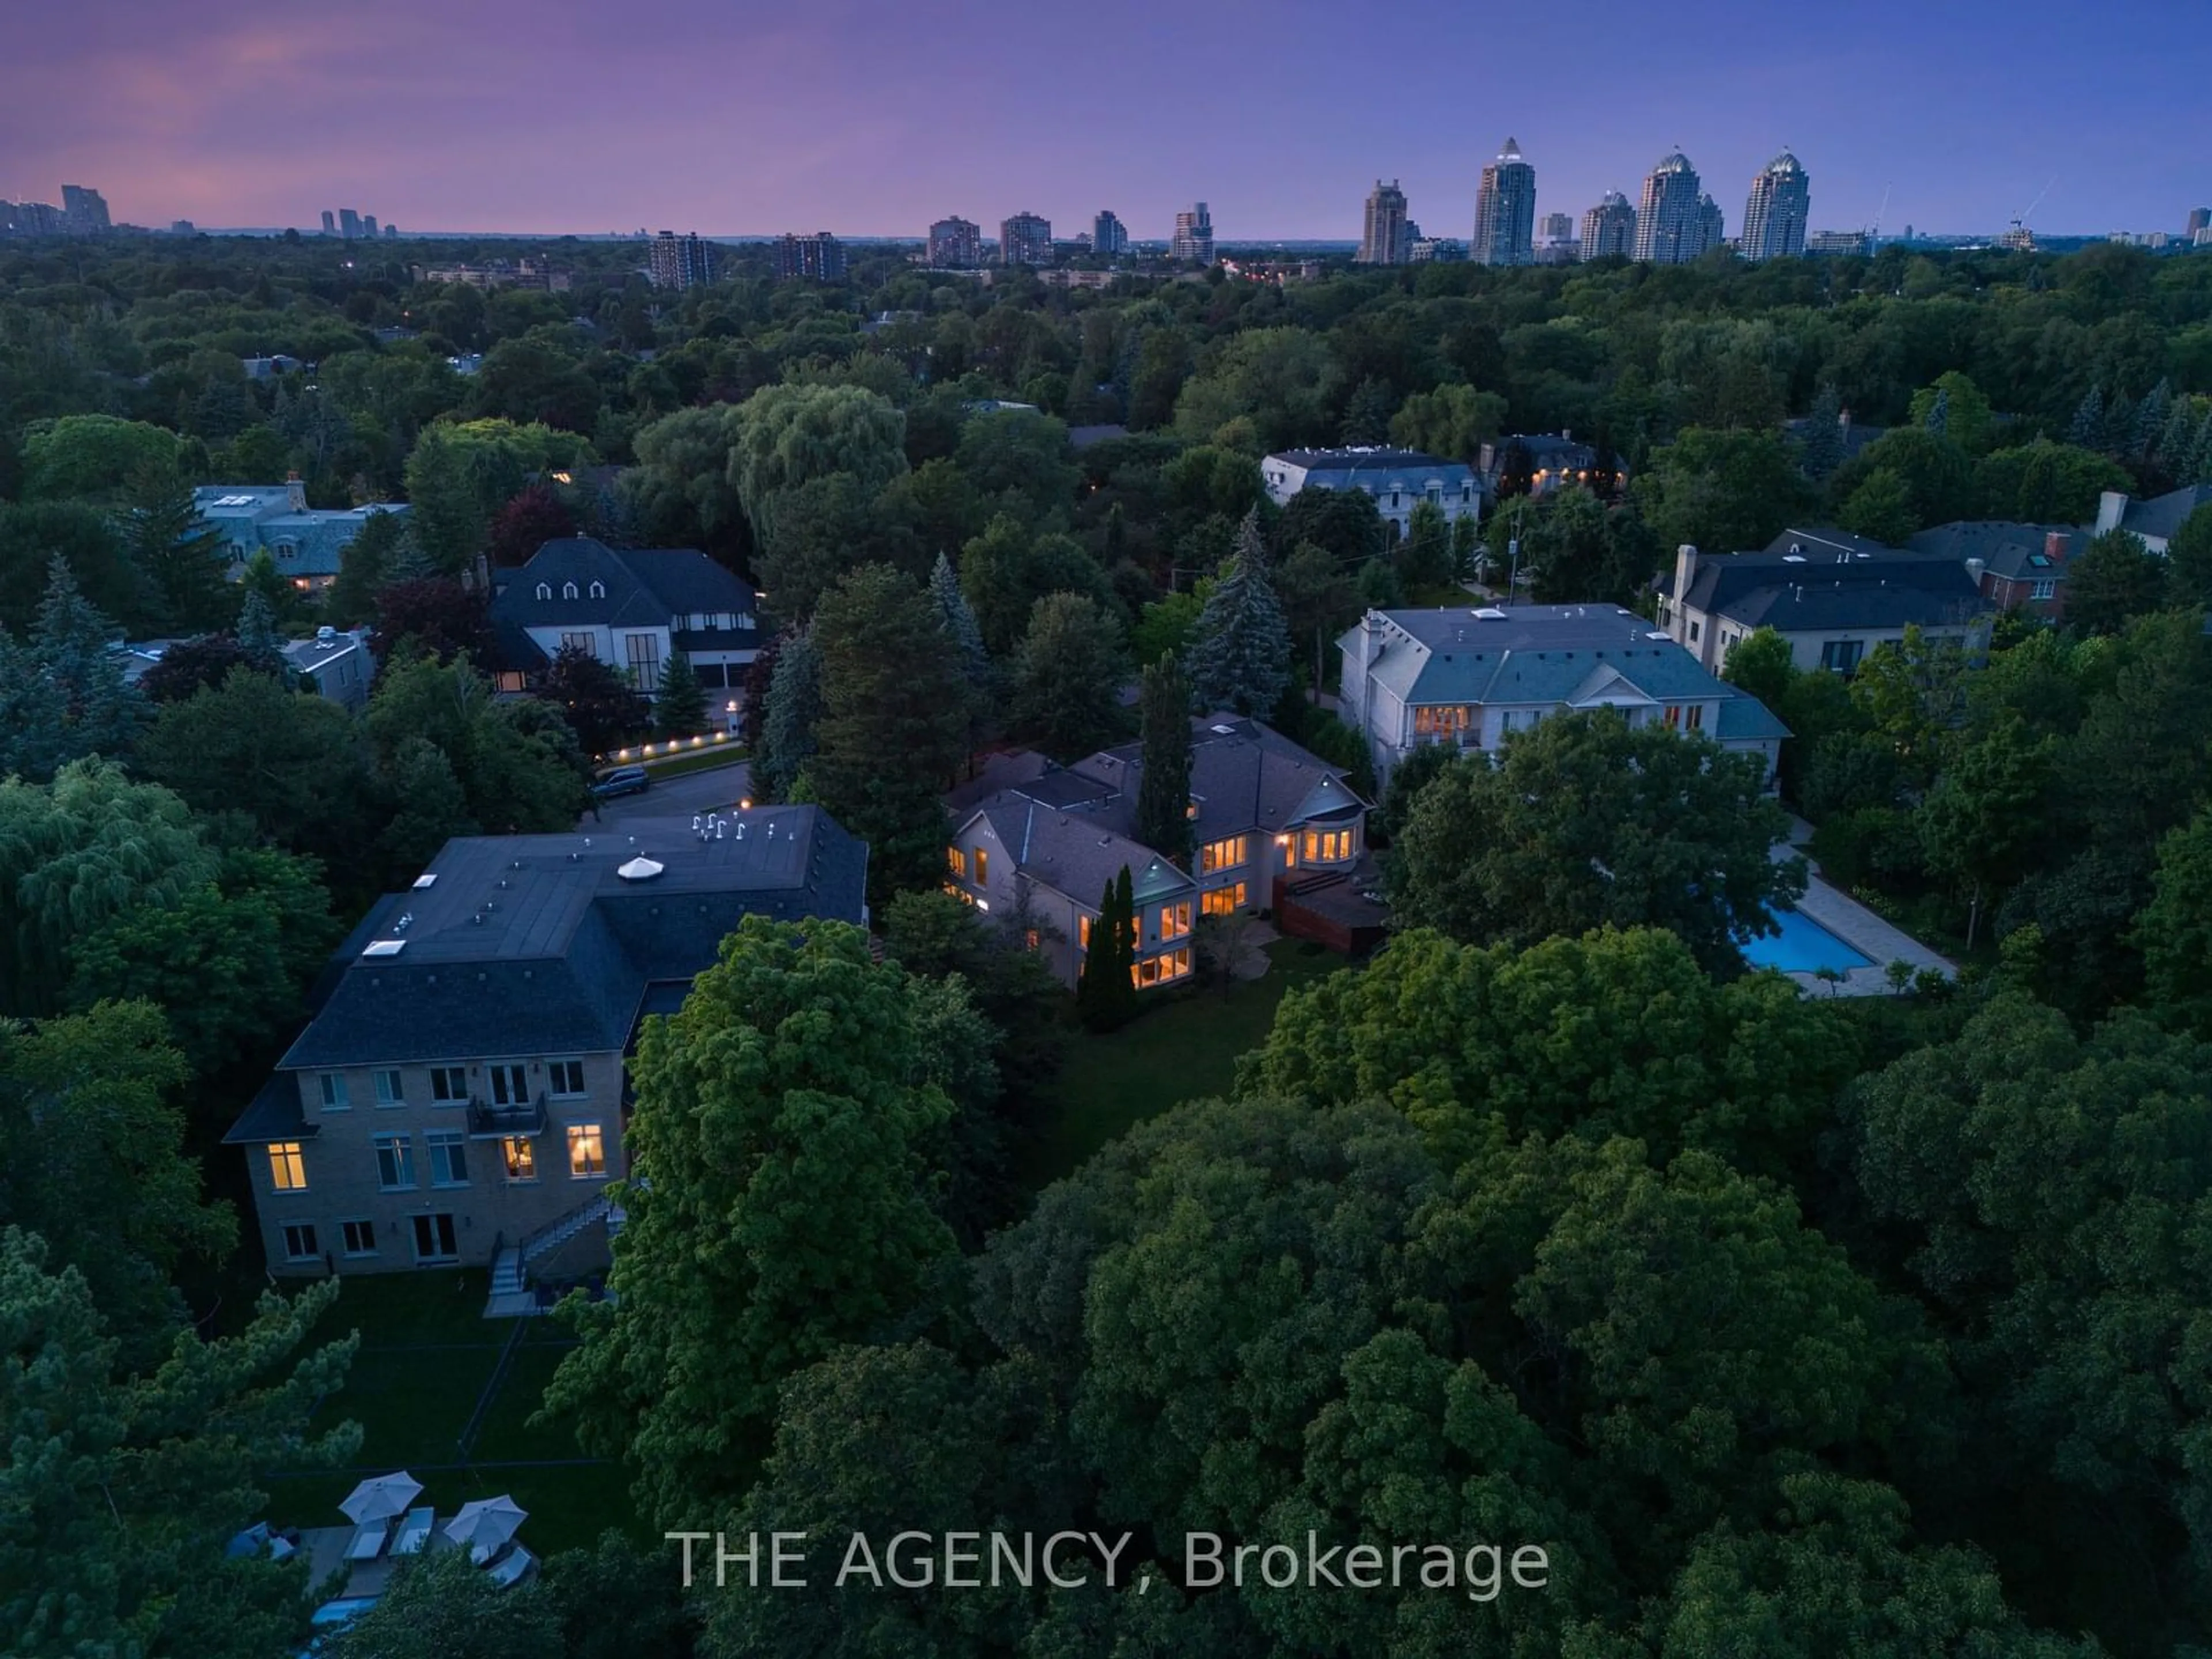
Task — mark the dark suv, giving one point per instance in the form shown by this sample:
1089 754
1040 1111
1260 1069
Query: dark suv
622 781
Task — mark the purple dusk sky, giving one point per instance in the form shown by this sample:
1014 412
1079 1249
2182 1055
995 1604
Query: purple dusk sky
731 117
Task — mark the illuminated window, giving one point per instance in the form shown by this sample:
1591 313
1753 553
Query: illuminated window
1441 721
1223 854
519 1155
1674 715
288 1166
587 1151
1191 811
1083 932
960 893
1032 939
1162 970
1694 721
957 861
1220 901
1175 920
983 867
1328 845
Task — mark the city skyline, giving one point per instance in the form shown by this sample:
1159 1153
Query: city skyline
1947 116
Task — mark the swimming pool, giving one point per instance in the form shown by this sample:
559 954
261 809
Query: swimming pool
1802 946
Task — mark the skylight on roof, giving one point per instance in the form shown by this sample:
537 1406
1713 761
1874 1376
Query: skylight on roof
1793 558
427 878
386 947
1225 731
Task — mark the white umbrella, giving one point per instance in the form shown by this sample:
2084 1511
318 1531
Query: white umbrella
381 1497
486 1524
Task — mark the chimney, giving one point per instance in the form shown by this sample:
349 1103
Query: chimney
2054 545
1685 571
295 492
2110 506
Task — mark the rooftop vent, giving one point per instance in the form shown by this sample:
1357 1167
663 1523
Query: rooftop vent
1491 613
1793 558
1226 731
386 947
639 869
425 880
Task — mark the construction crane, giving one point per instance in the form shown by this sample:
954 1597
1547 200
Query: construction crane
1873 231
2020 237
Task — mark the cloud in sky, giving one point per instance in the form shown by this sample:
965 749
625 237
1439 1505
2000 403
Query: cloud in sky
870 118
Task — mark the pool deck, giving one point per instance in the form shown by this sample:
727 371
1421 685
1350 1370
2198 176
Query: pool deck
1866 933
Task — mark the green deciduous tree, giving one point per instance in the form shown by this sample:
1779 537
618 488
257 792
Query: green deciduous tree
777 1207
679 710
1586 822
1452 421
1009 568
1163 789
786 435
1317 599
1723 491
516 761
1067 678
1240 658
2174 930
2112 582
2045 483
894 722
91 458
602 708
1880 509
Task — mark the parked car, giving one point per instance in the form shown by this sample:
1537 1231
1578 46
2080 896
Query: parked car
622 781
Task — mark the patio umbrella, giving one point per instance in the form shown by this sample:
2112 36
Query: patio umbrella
486 1524
381 1497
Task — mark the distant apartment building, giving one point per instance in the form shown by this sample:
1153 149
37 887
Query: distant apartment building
350 224
1557 244
1774 217
1437 251
2199 219
497 273
819 258
680 262
330 223
1506 211
1110 237
1670 225
84 211
307 544
1385 237
1398 480
1193 236
956 244
1026 239
1839 242
1712 227
1609 228
368 225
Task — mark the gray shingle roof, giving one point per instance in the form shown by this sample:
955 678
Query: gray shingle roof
646 587
1075 853
2162 515
537 944
1813 579
1540 655
2021 551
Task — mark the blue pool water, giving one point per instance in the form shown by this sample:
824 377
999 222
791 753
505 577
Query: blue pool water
344 1611
1802 946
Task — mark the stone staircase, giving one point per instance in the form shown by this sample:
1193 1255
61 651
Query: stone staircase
510 1269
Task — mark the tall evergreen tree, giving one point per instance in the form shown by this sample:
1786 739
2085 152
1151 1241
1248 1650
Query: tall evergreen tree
1164 791
793 709
177 553
257 635
1240 658
2150 422
2120 437
72 648
1067 677
1106 992
1939 412
2177 441
1820 451
679 706
982 674
2087 428
893 731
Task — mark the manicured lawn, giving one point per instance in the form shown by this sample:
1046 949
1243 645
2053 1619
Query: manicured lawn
426 1354
1185 1050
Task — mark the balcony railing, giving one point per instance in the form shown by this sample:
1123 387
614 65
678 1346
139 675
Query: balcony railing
491 1122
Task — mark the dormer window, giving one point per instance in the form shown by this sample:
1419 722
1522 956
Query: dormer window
568 590
545 590
599 590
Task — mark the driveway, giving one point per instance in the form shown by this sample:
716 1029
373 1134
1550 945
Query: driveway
720 788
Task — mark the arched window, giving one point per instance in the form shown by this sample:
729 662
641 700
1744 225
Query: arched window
599 590
568 590
545 590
